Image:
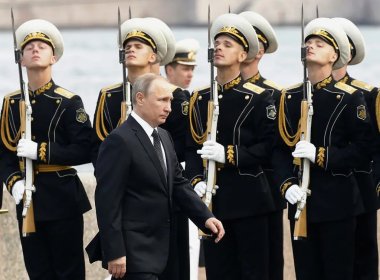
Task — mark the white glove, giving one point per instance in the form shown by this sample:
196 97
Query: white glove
27 148
18 191
294 194
305 149
212 150
200 188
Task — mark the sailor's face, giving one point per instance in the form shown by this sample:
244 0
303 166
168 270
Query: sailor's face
37 54
320 52
180 75
138 54
227 51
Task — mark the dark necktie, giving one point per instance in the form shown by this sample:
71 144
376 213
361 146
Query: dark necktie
157 147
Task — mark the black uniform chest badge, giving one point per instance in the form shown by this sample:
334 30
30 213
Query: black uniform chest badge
271 112
185 108
81 115
361 112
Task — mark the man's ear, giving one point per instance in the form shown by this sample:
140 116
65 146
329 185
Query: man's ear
140 98
242 56
334 57
53 60
152 58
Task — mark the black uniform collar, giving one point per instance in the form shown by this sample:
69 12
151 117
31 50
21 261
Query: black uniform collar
42 89
230 84
254 78
324 83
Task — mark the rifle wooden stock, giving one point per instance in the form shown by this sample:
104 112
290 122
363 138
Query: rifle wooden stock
300 226
28 225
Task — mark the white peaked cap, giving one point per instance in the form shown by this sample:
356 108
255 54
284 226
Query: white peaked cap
141 29
238 28
169 36
264 30
356 38
39 29
186 52
332 33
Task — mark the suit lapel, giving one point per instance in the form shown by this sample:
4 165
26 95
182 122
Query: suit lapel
148 147
166 142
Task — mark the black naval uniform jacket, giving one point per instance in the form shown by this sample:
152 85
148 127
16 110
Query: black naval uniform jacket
368 175
275 92
138 223
62 130
339 127
245 129
108 113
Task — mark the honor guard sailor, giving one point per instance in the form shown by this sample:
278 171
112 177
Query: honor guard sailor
250 73
338 144
366 253
243 142
144 45
61 138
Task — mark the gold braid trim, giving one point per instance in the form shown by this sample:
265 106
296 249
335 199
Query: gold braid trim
231 154
321 157
6 137
378 110
100 127
285 187
198 138
42 152
195 181
12 181
289 139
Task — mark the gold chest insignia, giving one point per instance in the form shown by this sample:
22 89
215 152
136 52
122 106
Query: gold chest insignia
271 112
185 108
361 112
81 115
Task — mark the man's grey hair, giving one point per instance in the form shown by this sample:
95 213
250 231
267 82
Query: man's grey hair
143 83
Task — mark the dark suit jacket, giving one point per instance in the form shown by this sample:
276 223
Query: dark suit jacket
134 198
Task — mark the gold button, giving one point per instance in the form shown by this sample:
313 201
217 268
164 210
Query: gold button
219 169
246 97
289 96
32 119
220 96
37 172
57 101
109 95
338 96
33 101
200 97
12 101
33 137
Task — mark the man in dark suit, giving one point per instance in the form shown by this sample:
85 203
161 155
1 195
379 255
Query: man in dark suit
134 197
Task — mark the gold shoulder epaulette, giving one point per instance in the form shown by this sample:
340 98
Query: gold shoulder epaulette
294 86
64 92
346 88
13 93
273 85
254 88
107 88
362 85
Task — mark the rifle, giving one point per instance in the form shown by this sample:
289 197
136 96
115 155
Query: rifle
28 225
300 228
212 123
126 103
2 211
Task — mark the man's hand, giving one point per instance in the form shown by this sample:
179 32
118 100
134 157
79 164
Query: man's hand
305 149
212 150
216 227
118 267
27 148
294 194
18 191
